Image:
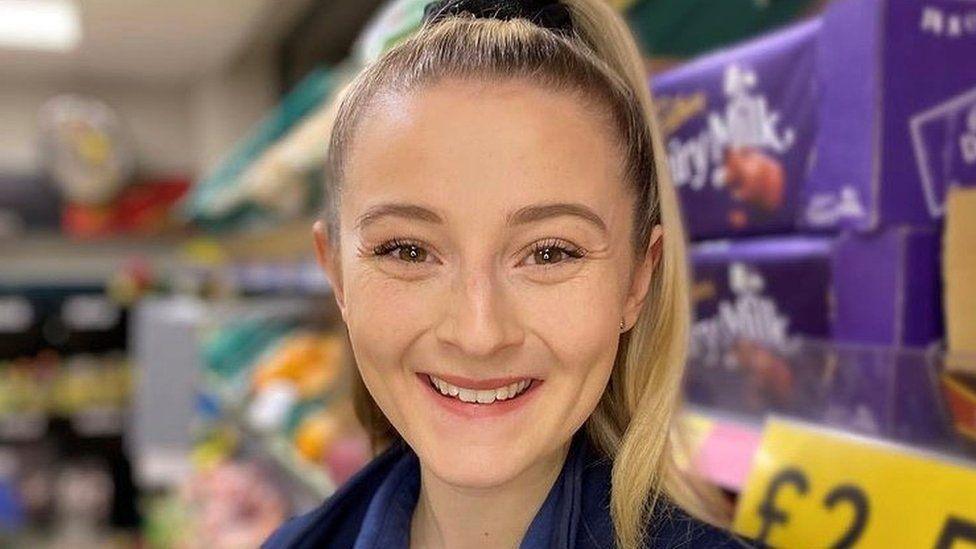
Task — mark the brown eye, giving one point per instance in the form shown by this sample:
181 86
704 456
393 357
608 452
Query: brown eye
412 253
549 255
554 252
400 250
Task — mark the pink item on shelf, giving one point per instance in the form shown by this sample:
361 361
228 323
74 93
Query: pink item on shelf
346 457
725 455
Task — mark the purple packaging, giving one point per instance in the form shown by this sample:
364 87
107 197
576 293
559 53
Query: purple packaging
830 329
877 391
879 289
739 129
897 119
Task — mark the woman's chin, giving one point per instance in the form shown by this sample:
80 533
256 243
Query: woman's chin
473 466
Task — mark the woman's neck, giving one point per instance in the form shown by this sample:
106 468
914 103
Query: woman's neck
499 516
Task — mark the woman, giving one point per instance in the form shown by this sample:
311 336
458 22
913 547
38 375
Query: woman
507 253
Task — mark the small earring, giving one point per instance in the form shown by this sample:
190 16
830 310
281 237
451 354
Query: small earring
621 324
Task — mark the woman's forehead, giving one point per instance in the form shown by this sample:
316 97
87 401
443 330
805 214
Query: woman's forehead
463 144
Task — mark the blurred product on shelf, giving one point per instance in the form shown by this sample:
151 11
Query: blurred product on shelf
959 390
899 100
225 199
89 391
273 430
678 29
873 390
27 203
881 289
143 208
310 362
87 152
830 329
393 22
740 126
959 272
783 132
86 148
959 269
233 505
227 504
286 387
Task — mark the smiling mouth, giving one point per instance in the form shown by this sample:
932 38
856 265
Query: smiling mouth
480 396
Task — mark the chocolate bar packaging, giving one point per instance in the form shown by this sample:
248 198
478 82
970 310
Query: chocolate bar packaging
830 329
897 114
877 289
739 129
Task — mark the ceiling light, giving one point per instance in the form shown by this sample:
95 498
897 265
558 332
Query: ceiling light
52 25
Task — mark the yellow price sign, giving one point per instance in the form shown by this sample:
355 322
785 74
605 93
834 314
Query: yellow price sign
811 487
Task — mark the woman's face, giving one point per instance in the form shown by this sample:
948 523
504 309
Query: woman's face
485 246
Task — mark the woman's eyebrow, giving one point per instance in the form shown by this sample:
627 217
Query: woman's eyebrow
538 212
394 209
522 216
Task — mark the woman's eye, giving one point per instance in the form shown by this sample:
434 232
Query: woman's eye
553 252
409 252
545 253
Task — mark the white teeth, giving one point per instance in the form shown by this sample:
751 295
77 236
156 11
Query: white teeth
480 396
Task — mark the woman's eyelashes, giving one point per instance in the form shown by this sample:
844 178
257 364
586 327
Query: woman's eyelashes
554 251
544 253
407 251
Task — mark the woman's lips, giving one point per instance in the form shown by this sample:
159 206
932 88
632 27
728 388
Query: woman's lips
474 410
479 384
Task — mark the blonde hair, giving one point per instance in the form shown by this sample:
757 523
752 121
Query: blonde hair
634 423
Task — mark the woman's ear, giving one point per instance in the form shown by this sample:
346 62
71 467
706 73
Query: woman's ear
641 279
326 256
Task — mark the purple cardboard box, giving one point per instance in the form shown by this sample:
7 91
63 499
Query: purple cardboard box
897 113
739 129
828 329
878 289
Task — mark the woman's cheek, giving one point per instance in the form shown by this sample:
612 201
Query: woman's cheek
577 312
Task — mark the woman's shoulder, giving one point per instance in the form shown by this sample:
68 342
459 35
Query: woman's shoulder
667 526
672 526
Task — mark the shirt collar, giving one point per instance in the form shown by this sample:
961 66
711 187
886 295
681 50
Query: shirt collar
387 520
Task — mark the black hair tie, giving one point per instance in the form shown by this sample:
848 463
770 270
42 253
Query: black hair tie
549 14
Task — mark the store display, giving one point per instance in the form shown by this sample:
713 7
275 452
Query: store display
878 289
896 120
285 392
739 128
221 200
826 173
828 329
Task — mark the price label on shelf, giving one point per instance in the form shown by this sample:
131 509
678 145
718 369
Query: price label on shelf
811 487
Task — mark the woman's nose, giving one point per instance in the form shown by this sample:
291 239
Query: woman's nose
479 319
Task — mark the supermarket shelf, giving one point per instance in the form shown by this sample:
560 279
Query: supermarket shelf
915 400
312 481
272 260
53 259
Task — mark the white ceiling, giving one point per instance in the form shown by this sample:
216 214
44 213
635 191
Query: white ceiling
163 41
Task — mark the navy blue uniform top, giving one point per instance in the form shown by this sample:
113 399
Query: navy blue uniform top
373 509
